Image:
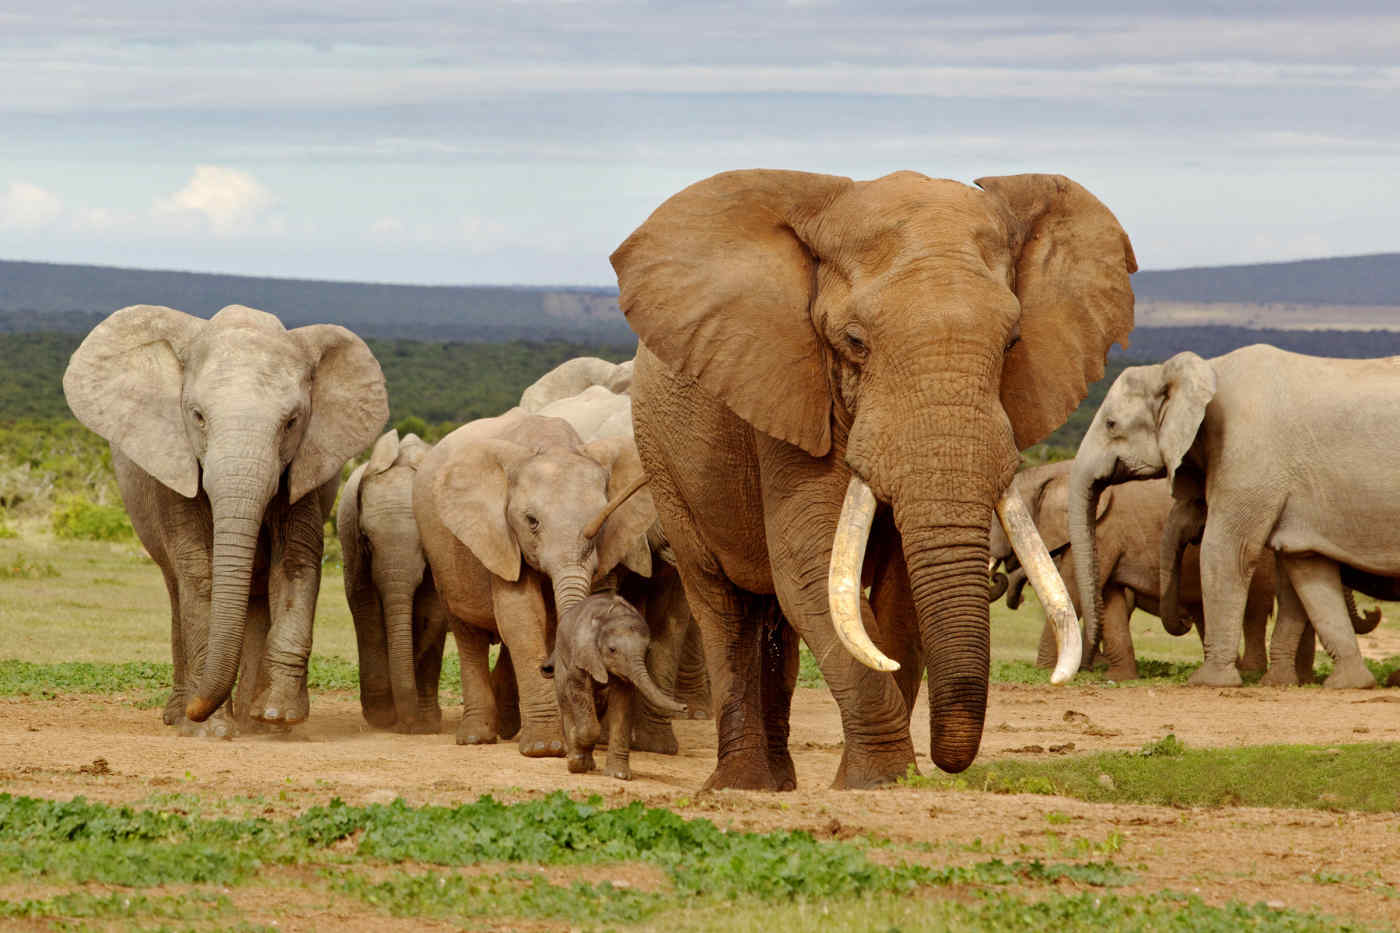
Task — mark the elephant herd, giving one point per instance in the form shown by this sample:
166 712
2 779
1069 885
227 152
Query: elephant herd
821 425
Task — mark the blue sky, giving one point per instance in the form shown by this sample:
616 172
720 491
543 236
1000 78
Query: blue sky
519 143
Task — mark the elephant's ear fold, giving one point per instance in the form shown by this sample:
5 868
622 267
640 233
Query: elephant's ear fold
589 655
1188 385
1105 503
347 528
719 283
412 450
471 490
349 404
385 452
624 534
1072 263
125 382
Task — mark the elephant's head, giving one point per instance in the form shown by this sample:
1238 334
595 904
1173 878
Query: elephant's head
236 406
540 501
605 637
376 519
1145 428
915 330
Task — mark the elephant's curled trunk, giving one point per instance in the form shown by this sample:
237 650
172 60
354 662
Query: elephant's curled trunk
641 678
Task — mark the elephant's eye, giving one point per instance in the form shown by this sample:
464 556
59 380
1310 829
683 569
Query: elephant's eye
198 416
532 522
1011 341
291 424
855 342
1111 424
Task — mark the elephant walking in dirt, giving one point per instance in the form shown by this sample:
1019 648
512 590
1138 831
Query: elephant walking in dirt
228 437
598 413
823 359
1290 454
520 519
1128 531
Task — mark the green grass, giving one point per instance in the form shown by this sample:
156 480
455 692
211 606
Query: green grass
1166 773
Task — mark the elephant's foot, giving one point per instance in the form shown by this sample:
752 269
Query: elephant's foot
1216 675
1252 664
174 708
581 762
473 730
651 735
1121 672
541 740
746 770
783 770
873 767
1350 673
618 769
218 726
380 716
284 701
1280 675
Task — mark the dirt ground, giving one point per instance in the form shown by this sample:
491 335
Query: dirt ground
47 748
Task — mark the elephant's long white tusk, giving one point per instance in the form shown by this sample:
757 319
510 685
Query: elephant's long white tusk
843 577
1041 572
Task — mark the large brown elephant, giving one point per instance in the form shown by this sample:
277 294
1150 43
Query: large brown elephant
228 437
812 345
519 518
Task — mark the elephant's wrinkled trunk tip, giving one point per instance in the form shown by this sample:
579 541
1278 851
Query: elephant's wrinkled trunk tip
843 577
200 709
591 530
1040 571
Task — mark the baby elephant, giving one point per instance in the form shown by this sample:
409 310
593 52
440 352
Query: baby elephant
599 659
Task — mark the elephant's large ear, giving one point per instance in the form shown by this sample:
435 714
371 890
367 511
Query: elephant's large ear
125 381
1188 385
624 534
349 404
718 284
1072 265
471 490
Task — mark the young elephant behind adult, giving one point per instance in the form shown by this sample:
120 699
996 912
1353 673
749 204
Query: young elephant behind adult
598 662
228 437
1128 529
572 377
520 518
392 599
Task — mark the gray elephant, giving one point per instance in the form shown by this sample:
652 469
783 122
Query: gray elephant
1128 528
392 599
599 661
1290 453
519 518
228 437
597 413
572 377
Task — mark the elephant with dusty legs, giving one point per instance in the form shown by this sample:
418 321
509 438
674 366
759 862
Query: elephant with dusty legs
399 620
1287 452
599 661
519 518
597 413
1292 649
228 437
822 358
1128 529
574 376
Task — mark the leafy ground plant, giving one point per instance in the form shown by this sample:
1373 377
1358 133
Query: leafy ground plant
1165 772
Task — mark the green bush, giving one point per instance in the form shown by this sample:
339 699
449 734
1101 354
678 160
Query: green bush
76 517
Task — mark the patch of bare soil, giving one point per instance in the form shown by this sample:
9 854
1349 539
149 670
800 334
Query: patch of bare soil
1344 864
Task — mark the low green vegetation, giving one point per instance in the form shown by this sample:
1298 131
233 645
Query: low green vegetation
1166 773
76 517
687 870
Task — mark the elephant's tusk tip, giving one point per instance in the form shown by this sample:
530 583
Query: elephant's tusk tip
199 709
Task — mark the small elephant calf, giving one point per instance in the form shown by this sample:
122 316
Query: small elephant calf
599 660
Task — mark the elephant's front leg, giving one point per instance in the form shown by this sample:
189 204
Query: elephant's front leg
1319 586
523 621
579 712
294 581
780 662
1228 558
479 715
621 705
190 551
1117 637
1291 629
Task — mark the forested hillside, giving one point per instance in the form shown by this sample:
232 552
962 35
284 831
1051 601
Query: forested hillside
1343 280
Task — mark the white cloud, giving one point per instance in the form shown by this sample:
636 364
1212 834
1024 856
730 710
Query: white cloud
26 206
228 200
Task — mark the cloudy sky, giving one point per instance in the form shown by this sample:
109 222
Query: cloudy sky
460 142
